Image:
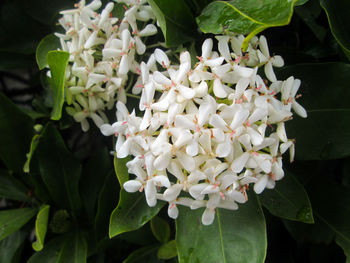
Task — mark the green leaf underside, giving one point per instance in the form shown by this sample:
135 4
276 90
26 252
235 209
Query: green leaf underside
288 200
41 227
57 61
175 19
74 249
339 21
48 43
11 188
167 250
33 145
235 236
16 129
14 219
325 133
59 169
245 16
160 229
131 213
145 254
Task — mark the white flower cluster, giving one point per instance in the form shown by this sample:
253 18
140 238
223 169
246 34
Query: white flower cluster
102 51
208 133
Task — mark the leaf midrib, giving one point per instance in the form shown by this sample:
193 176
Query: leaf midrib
259 22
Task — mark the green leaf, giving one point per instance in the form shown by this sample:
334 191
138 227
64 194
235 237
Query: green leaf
327 101
132 211
33 145
11 246
345 245
107 200
309 14
14 219
234 236
175 19
121 170
315 233
288 200
41 227
16 129
74 249
48 43
57 61
167 250
339 21
331 204
160 229
59 169
144 254
50 252
301 2
11 188
97 165
245 16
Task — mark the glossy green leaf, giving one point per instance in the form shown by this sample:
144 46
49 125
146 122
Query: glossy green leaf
145 254
235 236
245 16
34 143
13 219
96 166
315 233
41 227
327 101
132 211
74 249
160 229
175 19
339 20
331 204
11 188
48 43
11 246
301 2
309 14
50 252
288 200
121 170
16 129
167 250
107 200
57 61
59 169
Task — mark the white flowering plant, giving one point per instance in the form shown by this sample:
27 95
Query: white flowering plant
175 131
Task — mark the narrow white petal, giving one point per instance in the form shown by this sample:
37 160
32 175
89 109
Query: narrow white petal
161 58
239 163
260 185
208 216
207 48
219 90
132 186
150 192
299 109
